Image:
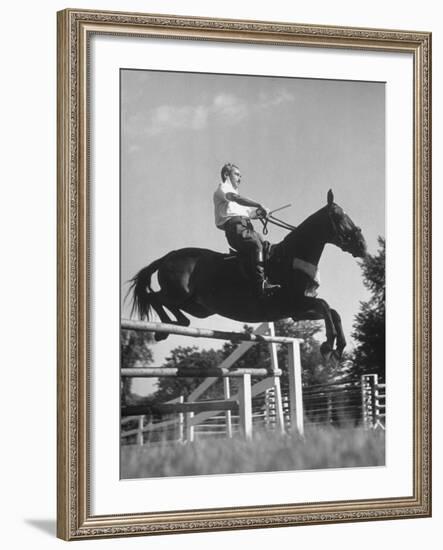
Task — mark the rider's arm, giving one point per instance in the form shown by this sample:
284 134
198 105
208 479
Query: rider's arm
246 202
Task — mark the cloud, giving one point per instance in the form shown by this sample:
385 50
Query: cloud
172 117
229 108
282 96
226 108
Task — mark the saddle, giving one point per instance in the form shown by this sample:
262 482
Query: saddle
267 253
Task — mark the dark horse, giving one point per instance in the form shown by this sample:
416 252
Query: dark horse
201 282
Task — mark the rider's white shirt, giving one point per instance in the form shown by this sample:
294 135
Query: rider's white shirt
225 209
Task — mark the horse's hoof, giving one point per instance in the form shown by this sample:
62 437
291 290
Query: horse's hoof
326 350
159 336
334 359
331 356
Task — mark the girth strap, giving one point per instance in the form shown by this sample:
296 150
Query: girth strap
310 269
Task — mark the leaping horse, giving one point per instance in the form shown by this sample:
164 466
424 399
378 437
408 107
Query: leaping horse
202 282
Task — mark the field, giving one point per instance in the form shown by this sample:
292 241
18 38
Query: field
266 452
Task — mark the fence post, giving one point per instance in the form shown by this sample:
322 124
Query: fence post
181 422
286 411
190 432
295 387
380 394
367 394
245 402
228 414
276 380
371 405
329 408
140 431
269 407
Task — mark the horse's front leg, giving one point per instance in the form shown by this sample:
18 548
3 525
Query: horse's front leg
341 340
321 308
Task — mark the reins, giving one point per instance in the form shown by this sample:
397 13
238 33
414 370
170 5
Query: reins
275 221
270 218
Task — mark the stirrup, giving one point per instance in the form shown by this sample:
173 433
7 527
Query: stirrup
232 254
268 289
269 286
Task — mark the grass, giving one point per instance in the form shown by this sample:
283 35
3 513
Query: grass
266 452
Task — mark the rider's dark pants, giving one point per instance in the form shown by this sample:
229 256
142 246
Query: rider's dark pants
243 238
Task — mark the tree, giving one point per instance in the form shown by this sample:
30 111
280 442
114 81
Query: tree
369 325
134 352
186 357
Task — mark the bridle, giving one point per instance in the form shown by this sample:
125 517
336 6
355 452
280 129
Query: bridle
341 239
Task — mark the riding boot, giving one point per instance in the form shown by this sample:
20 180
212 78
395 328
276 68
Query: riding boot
261 287
258 274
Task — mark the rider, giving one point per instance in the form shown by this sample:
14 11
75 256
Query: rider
233 214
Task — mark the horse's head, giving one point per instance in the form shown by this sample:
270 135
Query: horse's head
344 233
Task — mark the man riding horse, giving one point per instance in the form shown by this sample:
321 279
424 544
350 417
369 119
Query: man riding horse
202 282
233 214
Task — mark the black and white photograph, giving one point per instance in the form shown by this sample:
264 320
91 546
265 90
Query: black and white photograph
220 237
252 270
244 274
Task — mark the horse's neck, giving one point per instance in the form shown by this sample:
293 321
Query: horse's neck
305 243
308 250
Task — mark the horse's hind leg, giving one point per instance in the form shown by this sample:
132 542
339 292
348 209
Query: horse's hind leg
157 306
159 303
180 316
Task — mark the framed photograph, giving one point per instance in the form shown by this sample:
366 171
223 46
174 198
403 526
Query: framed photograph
244 274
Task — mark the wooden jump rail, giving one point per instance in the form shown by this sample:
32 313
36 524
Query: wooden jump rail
194 372
169 408
204 332
243 400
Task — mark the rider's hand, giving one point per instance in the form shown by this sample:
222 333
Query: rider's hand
262 212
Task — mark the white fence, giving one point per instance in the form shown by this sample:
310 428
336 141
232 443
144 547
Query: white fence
241 401
258 405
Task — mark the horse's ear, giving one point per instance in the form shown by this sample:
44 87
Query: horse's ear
330 197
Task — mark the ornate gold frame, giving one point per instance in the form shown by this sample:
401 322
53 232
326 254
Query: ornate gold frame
74 29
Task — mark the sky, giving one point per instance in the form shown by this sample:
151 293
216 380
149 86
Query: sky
293 139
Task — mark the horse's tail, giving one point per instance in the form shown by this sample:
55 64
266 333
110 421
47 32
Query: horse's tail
142 293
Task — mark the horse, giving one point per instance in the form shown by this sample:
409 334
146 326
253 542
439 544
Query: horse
202 282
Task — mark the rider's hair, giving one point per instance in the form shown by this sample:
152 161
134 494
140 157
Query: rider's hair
226 170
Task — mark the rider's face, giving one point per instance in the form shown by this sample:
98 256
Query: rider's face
235 177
